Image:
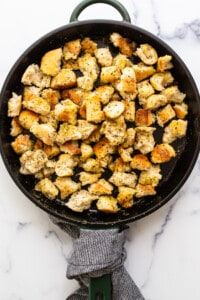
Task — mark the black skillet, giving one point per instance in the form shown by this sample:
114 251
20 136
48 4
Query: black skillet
174 174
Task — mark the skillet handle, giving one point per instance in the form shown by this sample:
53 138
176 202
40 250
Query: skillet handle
100 288
85 3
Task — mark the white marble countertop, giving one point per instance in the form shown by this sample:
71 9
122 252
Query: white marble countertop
163 248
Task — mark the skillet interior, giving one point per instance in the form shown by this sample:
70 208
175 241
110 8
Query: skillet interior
175 173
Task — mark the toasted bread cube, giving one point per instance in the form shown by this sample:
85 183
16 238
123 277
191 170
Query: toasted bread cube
176 129
34 76
80 201
27 118
125 46
161 79
38 105
147 54
103 147
173 94
66 186
165 114
125 196
51 62
164 63
145 90
86 151
86 128
162 153
152 176
125 153
72 49
66 111
101 187
91 165
123 179
33 161
22 143
51 151
31 92
52 96
68 132
45 132
127 84
15 127
65 78
105 93
119 165
143 190
114 130
144 140
155 101
121 61
14 105
71 147
47 188
140 162
107 204
129 110
143 71
181 110
144 117
129 138
109 74
93 109
64 165
88 46
88 66
88 178
114 109
85 82
104 56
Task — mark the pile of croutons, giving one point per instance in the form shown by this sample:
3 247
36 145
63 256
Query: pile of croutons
86 121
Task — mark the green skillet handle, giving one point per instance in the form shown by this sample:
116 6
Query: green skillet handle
85 3
100 288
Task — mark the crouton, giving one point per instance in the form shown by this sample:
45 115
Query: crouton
103 147
147 54
66 186
45 132
129 138
143 71
22 143
109 74
105 93
88 178
34 76
94 112
68 132
104 56
65 165
164 63
88 45
143 190
181 110
114 130
86 128
125 46
72 49
14 105
140 162
70 147
65 78
66 111
125 153
27 118
47 188
118 165
151 176
51 62
123 179
31 92
38 105
161 79
52 96
176 129
80 201
114 109
86 151
127 84
125 196
144 117
144 140
107 204
91 165
101 187
51 151
15 127
33 161
145 90
155 101
162 153
173 94
165 114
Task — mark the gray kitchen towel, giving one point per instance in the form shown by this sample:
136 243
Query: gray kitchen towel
95 253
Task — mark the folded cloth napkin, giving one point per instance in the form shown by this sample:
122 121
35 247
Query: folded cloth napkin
96 253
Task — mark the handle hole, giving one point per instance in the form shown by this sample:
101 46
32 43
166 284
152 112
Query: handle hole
100 11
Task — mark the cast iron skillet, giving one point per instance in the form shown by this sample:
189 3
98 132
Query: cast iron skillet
174 174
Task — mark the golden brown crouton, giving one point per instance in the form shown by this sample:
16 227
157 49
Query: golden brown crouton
66 186
47 188
101 187
27 118
34 76
105 93
143 71
164 63
33 161
129 110
66 111
109 74
86 151
66 78
125 153
145 90
129 138
143 190
91 165
176 129
127 84
22 143
140 162
114 130
51 61
181 110
15 127
88 178
125 196
162 153
88 46
173 94
52 96
51 151
118 165
86 128
114 109
144 117
39 105
155 101
14 105
161 79
68 132
72 49
94 112
103 147
152 176
144 140
104 56
125 46
80 201
45 132
31 92
123 179
107 204
165 114
71 147
147 54
64 165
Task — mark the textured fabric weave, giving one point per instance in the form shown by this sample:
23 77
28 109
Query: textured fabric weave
96 253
